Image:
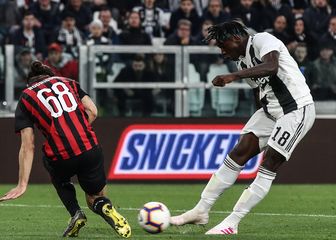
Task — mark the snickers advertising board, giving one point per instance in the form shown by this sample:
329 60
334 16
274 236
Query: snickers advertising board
176 152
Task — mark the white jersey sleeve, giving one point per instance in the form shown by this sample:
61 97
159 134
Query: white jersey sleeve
266 43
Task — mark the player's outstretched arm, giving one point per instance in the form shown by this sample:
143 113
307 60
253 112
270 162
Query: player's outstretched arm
90 108
26 156
269 66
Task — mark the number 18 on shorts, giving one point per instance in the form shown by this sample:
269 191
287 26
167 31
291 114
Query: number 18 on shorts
282 134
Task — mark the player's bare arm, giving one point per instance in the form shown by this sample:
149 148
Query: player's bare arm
90 108
26 156
268 67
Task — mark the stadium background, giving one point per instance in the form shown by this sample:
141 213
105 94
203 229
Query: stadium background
145 62
176 89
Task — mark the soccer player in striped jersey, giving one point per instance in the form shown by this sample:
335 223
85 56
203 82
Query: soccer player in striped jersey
63 112
285 114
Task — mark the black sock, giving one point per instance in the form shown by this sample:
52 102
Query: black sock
67 193
99 203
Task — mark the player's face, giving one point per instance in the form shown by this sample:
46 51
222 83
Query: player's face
230 48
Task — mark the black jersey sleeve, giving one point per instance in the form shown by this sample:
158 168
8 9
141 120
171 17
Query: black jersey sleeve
81 92
22 118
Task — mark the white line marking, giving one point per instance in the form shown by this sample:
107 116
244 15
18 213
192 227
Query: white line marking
179 211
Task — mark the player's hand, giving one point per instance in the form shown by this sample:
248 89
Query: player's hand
222 80
14 193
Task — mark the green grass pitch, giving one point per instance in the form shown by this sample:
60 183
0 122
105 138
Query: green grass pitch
289 212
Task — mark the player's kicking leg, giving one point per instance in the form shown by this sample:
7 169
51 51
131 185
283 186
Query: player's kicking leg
252 195
279 147
101 205
222 179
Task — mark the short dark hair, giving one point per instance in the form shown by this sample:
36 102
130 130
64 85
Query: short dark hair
224 31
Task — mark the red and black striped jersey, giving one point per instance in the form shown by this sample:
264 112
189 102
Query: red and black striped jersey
54 106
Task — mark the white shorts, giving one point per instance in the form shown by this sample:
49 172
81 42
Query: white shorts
284 133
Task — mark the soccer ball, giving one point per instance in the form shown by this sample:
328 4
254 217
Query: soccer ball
154 217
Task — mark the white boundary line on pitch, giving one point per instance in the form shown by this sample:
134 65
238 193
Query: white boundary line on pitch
214 212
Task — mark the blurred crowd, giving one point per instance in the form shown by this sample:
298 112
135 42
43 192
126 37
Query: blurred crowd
53 30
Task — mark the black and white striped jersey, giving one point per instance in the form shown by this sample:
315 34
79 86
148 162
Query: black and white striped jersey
287 90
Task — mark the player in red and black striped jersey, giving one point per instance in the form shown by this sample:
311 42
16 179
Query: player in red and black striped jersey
54 104
63 112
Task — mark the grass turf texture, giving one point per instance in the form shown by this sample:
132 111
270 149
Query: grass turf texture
288 212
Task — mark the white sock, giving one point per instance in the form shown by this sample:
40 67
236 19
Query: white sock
251 196
222 179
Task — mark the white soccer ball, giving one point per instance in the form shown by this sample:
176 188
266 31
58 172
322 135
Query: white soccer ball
154 217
